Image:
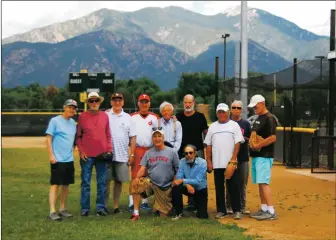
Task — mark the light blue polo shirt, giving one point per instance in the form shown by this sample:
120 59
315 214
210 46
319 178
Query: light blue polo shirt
63 132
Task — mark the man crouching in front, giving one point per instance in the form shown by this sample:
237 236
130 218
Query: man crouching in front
161 164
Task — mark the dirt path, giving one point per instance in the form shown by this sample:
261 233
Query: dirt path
305 205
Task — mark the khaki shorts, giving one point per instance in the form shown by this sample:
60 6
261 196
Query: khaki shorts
162 197
117 171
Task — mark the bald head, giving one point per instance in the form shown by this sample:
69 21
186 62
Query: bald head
189 103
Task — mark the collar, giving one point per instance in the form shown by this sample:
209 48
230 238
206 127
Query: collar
197 160
166 122
120 114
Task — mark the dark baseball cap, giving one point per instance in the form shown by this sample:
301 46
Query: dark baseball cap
117 95
70 102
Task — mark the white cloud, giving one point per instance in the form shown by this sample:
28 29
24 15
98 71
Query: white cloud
20 17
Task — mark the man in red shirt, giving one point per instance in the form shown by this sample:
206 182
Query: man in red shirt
93 139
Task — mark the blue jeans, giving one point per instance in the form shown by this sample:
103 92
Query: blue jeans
101 169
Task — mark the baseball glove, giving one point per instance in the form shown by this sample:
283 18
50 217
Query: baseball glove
255 140
140 186
230 169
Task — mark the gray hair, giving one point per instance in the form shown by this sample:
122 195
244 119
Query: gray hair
238 102
165 104
189 95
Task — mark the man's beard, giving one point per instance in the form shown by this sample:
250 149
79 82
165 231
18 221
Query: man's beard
189 109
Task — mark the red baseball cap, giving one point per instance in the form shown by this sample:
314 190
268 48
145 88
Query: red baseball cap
144 97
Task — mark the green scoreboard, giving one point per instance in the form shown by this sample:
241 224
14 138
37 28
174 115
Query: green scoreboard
91 82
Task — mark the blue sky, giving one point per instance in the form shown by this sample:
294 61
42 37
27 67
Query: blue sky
34 14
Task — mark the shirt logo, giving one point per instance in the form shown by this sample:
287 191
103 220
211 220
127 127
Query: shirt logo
242 130
150 123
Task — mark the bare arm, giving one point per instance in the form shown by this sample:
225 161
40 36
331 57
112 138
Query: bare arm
267 141
52 158
209 158
131 151
235 152
141 172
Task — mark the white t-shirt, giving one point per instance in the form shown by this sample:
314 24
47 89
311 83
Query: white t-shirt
222 137
143 128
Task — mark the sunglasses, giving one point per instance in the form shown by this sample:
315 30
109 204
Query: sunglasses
156 128
188 153
239 108
94 101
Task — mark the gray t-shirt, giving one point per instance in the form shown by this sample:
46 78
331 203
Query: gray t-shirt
162 165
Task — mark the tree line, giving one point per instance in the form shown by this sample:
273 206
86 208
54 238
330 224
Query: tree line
311 103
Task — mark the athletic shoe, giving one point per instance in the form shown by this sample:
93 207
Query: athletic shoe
116 211
257 214
65 213
221 215
267 216
145 206
245 211
177 217
135 217
238 215
54 217
102 213
131 208
84 213
229 211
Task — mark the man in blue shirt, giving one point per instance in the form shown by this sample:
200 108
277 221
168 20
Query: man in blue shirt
191 180
60 140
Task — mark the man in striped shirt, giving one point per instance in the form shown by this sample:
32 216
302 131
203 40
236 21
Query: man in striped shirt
123 141
172 128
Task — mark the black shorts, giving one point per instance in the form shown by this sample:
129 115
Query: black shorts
62 173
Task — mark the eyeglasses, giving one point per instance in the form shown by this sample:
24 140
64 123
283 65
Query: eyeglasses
94 101
188 153
239 108
156 128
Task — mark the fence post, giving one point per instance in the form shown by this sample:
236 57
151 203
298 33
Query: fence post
216 79
293 122
332 76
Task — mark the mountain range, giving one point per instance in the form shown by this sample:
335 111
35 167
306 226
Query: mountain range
158 43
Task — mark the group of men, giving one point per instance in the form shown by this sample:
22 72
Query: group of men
168 157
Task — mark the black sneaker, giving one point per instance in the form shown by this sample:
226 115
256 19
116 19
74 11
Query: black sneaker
54 217
102 213
116 211
84 213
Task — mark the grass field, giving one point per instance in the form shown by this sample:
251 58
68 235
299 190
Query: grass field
25 184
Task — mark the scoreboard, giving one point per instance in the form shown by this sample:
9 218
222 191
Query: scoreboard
89 82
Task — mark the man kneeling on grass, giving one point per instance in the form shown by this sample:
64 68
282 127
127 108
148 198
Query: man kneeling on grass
191 180
161 163
60 142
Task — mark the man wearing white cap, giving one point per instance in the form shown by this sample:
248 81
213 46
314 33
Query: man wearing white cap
262 153
93 140
223 142
161 165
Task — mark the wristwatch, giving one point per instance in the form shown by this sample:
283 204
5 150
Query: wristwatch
132 155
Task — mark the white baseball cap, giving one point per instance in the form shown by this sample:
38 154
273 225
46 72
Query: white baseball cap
255 100
94 95
159 130
223 107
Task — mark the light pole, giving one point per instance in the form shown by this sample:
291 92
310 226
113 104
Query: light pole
226 35
321 59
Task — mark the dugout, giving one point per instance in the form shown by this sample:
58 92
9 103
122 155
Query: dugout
294 146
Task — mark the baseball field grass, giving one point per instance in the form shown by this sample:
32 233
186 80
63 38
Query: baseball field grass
25 184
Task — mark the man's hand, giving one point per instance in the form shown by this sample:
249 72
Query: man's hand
174 118
177 182
83 156
52 159
190 189
130 161
209 167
